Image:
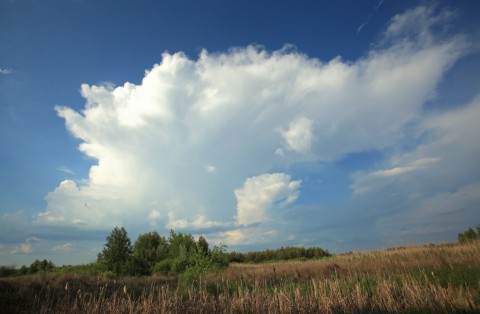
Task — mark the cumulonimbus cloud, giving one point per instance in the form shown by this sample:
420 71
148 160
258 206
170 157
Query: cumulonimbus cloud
195 135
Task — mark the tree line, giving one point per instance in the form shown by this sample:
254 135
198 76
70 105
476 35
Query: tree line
177 254
153 253
281 254
37 266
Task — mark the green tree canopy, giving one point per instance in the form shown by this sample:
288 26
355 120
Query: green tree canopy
117 252
180 244
202 246
469 235
40 266
147 250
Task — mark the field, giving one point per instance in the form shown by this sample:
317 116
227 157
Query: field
432 279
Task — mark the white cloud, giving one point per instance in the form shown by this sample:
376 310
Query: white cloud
65 170
199 223
249 236
63 247
234 237
418 23
210 169
24 248
366 182
453 142
299 136
261 193
154 215
163 138
440 194
5 70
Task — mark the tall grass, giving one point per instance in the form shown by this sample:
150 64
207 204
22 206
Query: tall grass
433 279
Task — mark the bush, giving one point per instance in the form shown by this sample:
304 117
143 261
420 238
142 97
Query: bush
163 267
41 266
200 264
469 235
6 271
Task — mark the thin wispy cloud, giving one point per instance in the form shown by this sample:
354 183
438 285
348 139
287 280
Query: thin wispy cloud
65 170
6 71
375 8
66 247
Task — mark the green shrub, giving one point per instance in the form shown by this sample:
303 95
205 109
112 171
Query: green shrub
6 271
469 235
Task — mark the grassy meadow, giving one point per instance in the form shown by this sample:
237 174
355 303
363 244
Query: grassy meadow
424 279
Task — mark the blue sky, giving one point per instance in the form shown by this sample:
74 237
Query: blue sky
349 125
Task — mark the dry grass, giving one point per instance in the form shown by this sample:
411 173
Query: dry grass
396 260
432 279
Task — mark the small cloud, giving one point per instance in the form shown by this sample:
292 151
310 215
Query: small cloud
63 248
234 237
417 164
359 29
260 193
154 215
248 236
5 71
299 136
33 239
279 152
199 223
24 248
210 169
367 182
379 4
65 170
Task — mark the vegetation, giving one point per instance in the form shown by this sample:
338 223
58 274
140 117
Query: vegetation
152 253
116 255
433 279
186 276
281 254
469 235
36 267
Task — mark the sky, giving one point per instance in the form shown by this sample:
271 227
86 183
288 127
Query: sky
348 125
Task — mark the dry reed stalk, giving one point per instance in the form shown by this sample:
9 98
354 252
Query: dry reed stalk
395 281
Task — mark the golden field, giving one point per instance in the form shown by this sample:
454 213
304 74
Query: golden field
422 279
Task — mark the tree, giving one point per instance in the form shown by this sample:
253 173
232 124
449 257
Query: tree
200 264
148 250
182 253
40 266
117 252
180 245
202 246
469 235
